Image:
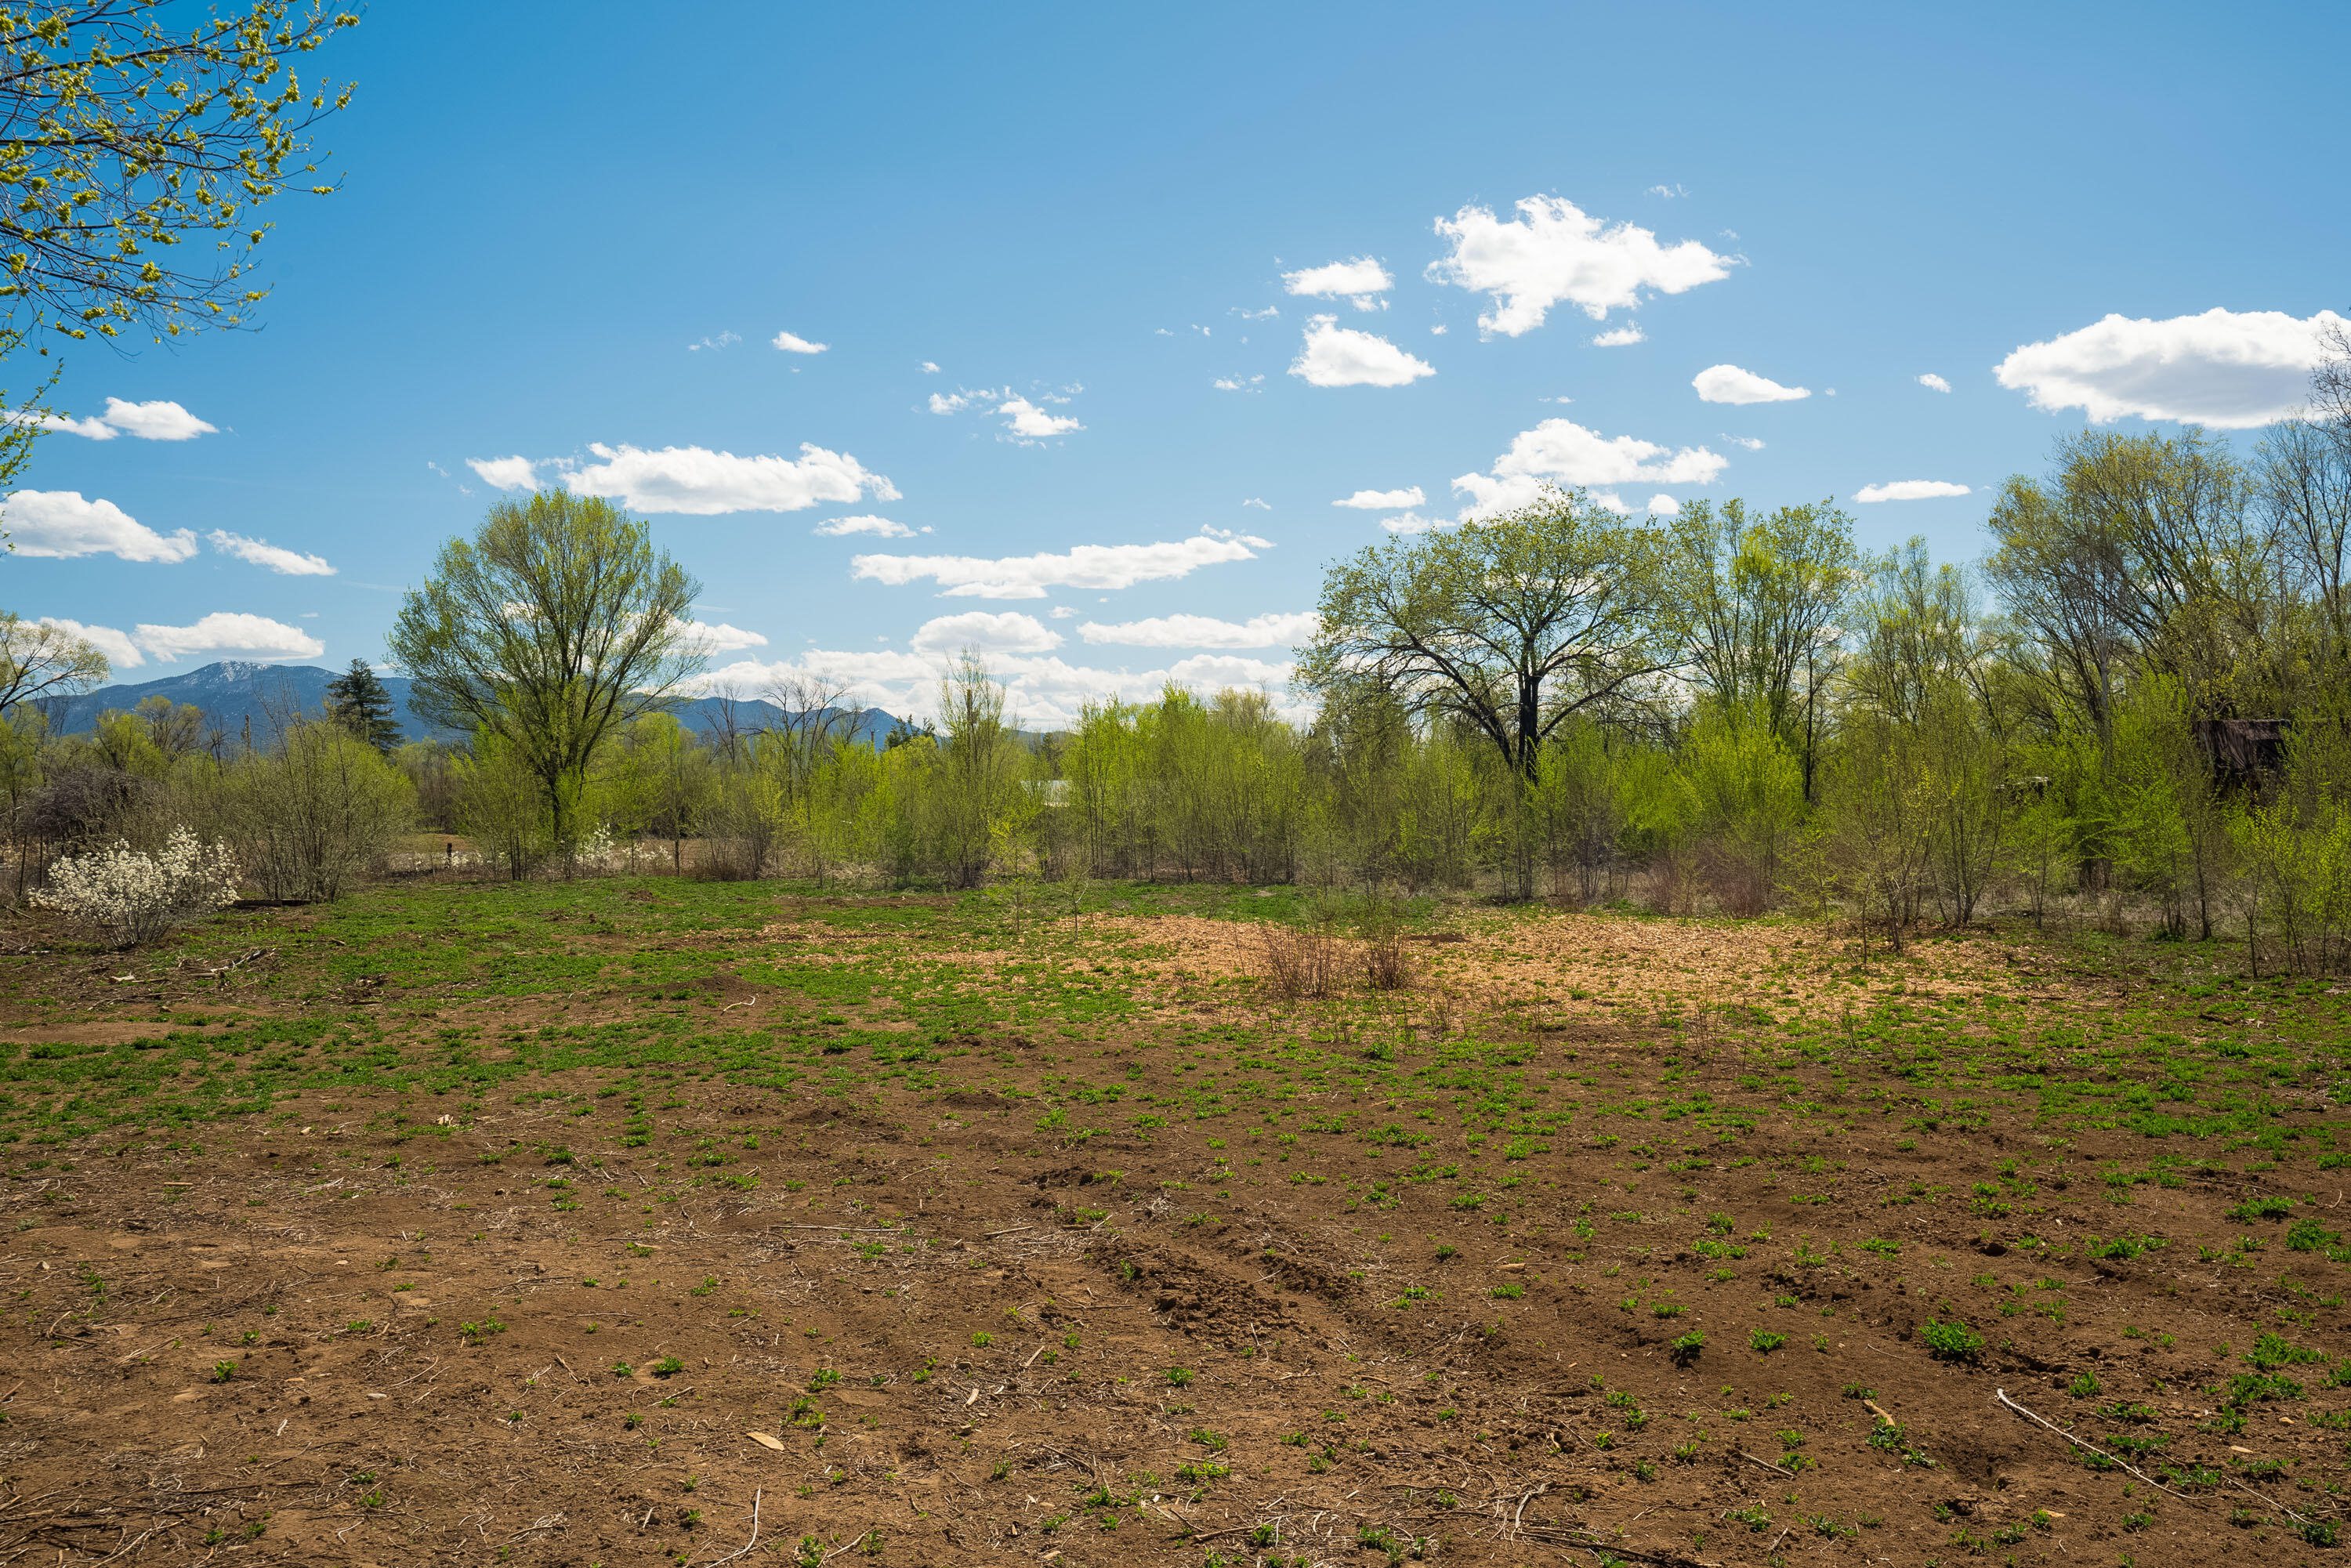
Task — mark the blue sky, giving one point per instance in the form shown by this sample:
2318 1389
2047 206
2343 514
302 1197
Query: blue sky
1081 216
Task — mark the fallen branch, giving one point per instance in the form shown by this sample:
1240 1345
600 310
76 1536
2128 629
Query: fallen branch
2279 1506
1766 1464
749 1544
886 1229
860 1539
546 1522
2001 1396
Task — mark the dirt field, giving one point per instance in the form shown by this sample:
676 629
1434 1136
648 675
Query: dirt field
644 1222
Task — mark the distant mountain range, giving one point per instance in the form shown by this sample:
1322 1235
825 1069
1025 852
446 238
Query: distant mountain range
236 694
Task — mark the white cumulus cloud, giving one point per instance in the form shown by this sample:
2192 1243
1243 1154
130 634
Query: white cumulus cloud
1336 356
1236 383
1618 337
277 558
224 633
984 631
1361 280
793 343
699 482
90 429
718 637
881 527
2231 369
1729 383
1664 506
1026 423
1029 425
1908 490
1381 500
505 473
1934 383
157 421
1752 442
60 524
1100 566
1555 253
1205 631
1562 452
119 650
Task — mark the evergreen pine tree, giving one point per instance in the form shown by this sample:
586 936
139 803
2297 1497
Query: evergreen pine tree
358 701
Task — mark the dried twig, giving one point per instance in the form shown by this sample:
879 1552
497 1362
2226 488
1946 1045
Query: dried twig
2279 1506
749 1544
2001 1396
1766 1464
857 1542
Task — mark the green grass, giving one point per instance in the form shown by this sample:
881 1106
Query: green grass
2163 1060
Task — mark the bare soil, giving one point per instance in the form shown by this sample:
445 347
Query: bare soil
927 1323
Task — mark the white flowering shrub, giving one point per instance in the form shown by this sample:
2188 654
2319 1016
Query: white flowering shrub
136 897
599 851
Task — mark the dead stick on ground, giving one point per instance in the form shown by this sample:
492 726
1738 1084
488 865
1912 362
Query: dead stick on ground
749 1544
892 1229
853 1546
1766 1464
2001 1396
2279 1506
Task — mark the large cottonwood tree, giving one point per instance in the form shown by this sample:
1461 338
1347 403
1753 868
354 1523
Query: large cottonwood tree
1507 624
554 626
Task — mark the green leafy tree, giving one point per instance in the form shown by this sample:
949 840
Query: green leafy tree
38 660
357 700
2145 552
969 801
1509 624
555 624
1745 792
129 127
1508 627
131 132
1765 596
318 809
501 804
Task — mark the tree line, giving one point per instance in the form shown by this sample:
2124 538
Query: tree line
2135 710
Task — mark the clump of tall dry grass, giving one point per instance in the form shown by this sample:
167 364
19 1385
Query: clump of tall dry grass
1299 961
1314 961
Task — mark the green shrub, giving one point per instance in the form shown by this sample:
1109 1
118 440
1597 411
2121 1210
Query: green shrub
1953 1340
